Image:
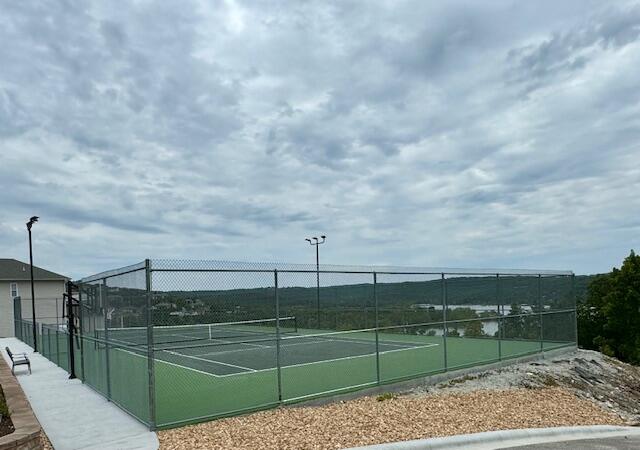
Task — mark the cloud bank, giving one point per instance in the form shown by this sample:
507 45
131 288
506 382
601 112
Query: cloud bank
462 134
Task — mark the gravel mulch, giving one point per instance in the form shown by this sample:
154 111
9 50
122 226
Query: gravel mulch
367 421
46 443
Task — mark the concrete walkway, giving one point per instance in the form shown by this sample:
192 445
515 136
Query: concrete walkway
72 414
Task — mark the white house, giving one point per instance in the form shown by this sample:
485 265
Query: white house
15 281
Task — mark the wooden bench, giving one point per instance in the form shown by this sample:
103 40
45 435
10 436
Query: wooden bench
18 359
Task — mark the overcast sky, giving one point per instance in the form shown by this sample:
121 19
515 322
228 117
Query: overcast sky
464 134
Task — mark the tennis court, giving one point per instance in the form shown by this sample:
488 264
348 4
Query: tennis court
223 376
179 342
224 349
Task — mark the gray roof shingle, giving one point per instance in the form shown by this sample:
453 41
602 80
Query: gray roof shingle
14 270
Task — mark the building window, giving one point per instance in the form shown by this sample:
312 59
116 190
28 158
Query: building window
14 290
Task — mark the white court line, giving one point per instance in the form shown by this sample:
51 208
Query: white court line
269 369
317 341
335 359
359 356
174 364
406 345
228 342
363 341
234 342
191 338
224 352
211 361
248 343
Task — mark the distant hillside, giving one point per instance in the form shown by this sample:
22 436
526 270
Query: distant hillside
460 290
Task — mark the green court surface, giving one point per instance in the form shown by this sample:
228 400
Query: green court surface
225 377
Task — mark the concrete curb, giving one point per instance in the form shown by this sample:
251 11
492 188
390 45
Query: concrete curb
509 438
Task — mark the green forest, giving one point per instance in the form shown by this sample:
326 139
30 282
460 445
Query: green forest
609 312
404 305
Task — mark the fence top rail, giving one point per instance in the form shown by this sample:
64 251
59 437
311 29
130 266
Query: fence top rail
187 265
179 265
113 273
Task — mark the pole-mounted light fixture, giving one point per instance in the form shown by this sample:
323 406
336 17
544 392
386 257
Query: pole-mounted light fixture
30 223
316 244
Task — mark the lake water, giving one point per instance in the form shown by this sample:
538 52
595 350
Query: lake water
490 327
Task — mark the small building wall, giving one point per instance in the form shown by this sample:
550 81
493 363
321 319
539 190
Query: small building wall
49 303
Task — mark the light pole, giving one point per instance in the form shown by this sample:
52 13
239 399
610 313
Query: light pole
316 242
30 223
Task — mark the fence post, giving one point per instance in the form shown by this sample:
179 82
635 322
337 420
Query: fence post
58 346
445 328
377 319
104 301
278 364
70 331
540 312
498 300
150 349
80 332
49 343
17 318
575 307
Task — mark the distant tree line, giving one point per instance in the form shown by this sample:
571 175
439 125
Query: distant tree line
406 307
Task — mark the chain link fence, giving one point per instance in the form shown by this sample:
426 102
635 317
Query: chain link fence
50 327
174 342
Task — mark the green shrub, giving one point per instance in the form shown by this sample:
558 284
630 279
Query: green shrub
386 396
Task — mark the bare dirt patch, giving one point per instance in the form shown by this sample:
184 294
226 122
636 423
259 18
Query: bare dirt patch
6 426
580 389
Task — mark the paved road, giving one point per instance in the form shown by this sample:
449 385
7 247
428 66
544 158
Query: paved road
617 443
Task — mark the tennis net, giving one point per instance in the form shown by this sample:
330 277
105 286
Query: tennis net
167 334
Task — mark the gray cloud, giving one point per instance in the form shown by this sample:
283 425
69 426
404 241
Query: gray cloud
453 134
567 52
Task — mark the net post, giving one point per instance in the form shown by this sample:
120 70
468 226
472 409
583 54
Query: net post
150 360
499 317
102 289
377 319
445 328
278 363
540 312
